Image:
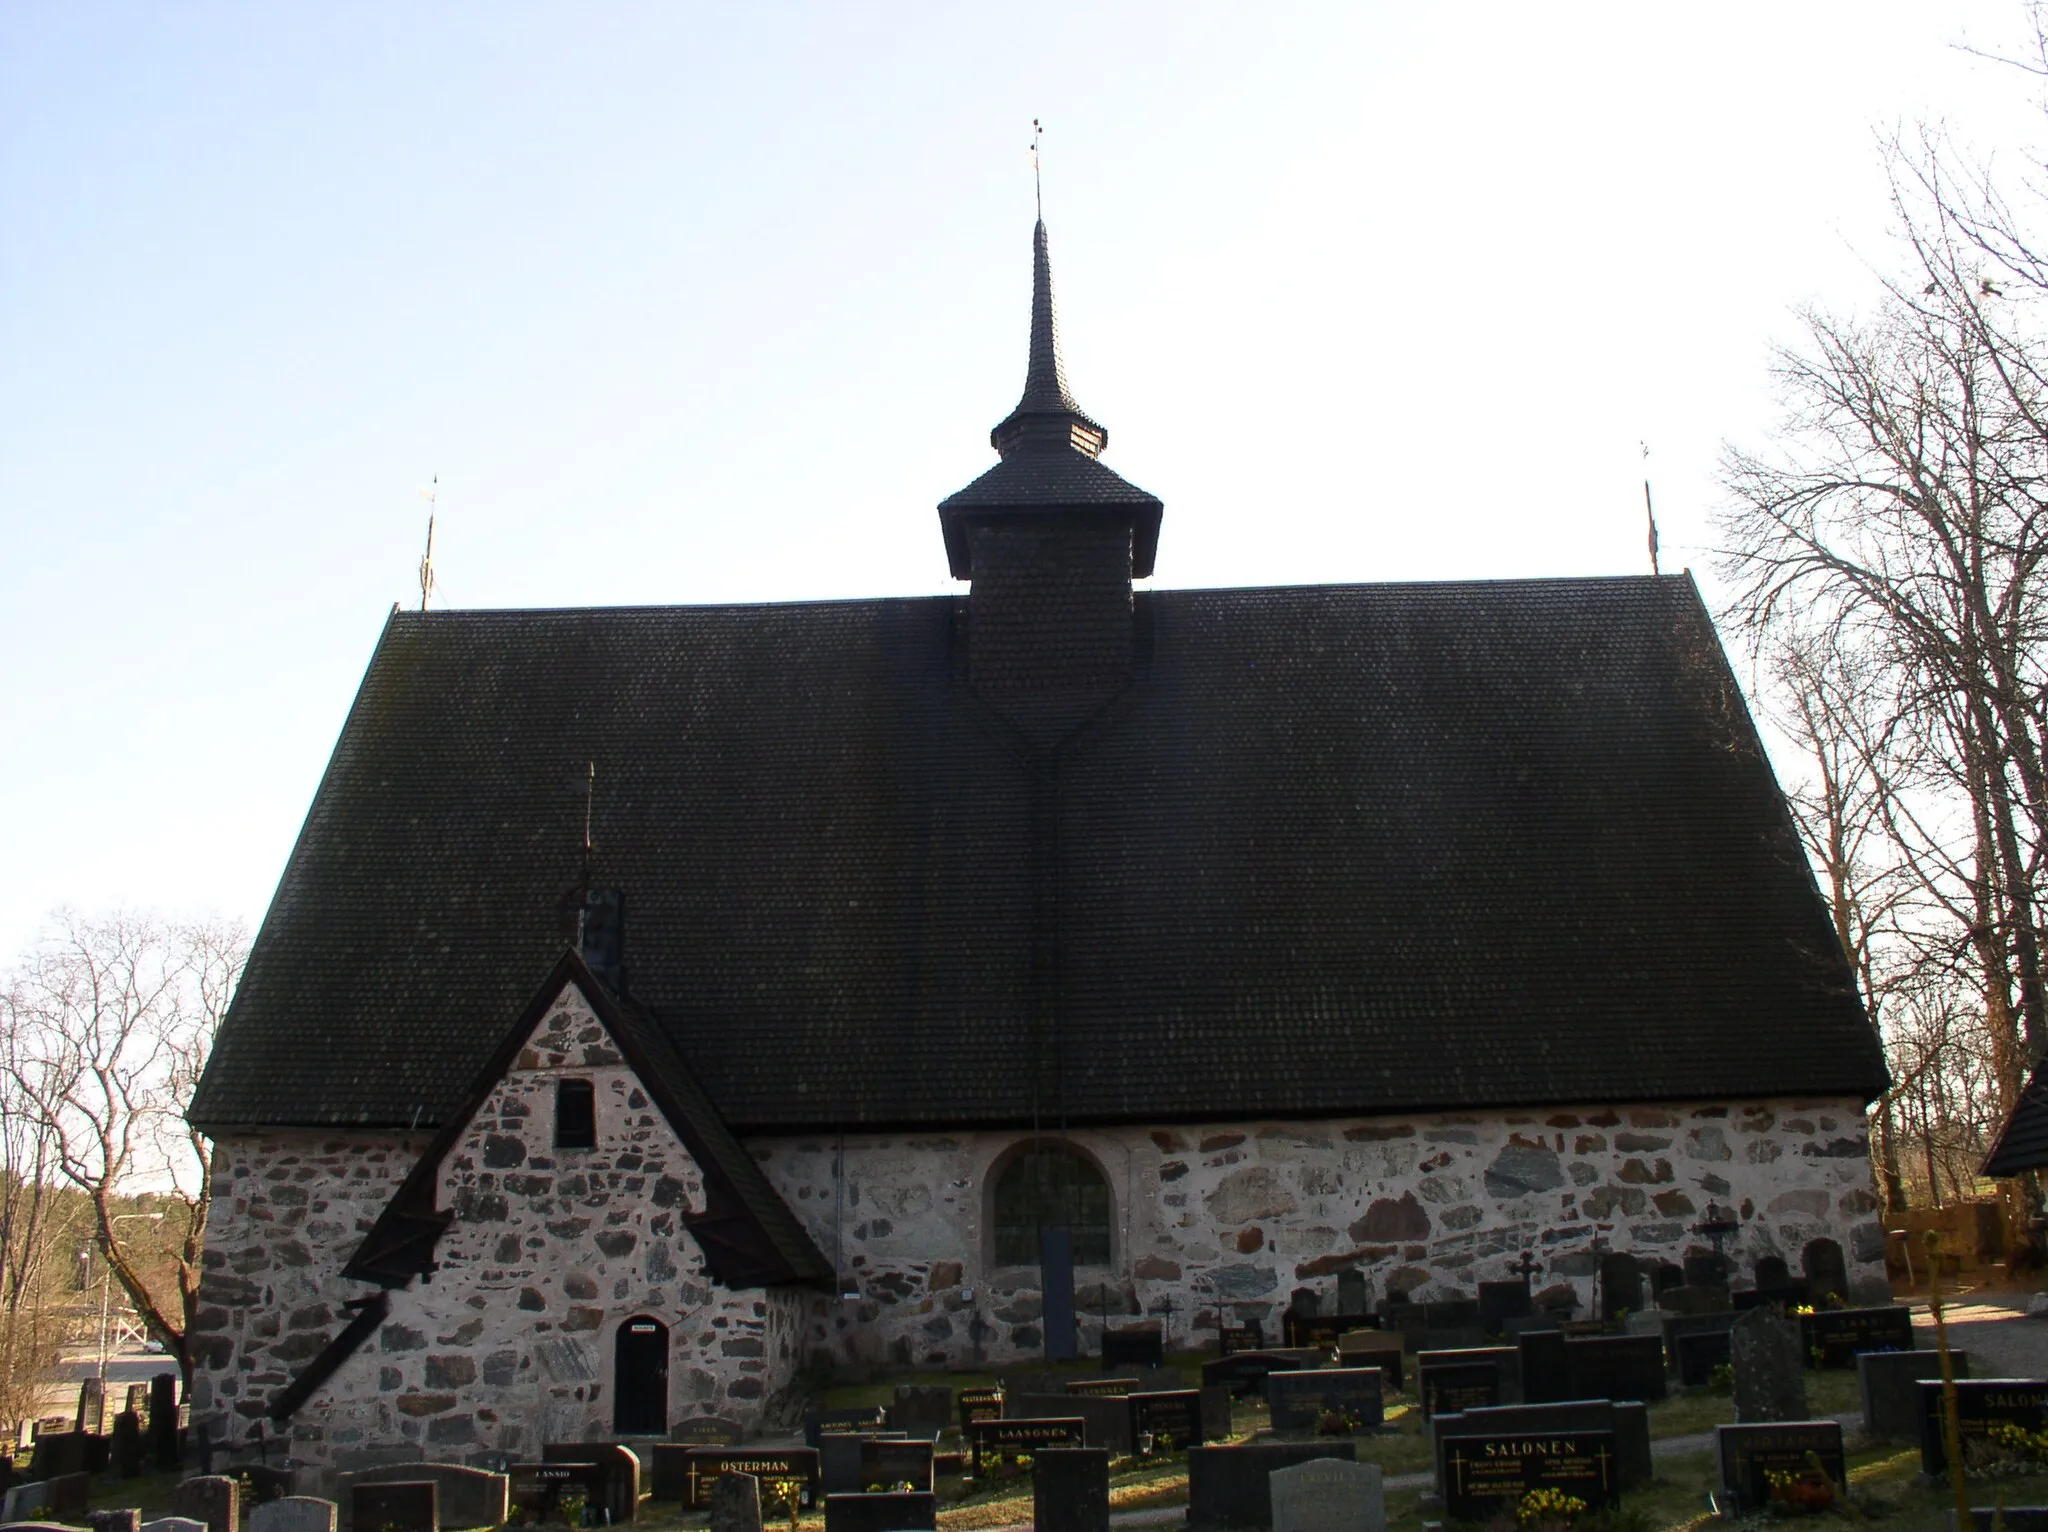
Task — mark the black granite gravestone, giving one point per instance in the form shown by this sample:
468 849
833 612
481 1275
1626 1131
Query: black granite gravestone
1245 1372
1500 1302
1628 1420
1070 1489
537 1490
1056 1294
92 1406
1833 1338
1166 1422
1542 1358
1230 1487
818 1422
1317 1332
1450 1388
995 1443
1101 1388
1487 1475
979 1404
163 1421
1232 1339
1698 1354
619 1497
1982 1404
1616 1367
922 1409
783 1471
717 1431
400 1506
1331 1401
125 1451
1796 1463
839 1459
1133 1348
1890 1384
1352 1293
895 1464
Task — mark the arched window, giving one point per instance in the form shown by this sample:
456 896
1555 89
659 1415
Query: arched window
1050 1186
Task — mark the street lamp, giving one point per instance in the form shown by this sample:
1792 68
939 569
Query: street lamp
106 1295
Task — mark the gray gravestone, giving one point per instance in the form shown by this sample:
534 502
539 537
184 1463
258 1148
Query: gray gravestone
1070 1489
880 1513
174 1524
295 1513
25 1502
736 1503
1232 1486
396 1506
1329 1495
1770 1367
212 1498
469 1497
126 1520
1891 1389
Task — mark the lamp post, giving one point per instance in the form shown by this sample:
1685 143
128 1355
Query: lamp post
106 1297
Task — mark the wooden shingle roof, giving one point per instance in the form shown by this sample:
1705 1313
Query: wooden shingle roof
1336 850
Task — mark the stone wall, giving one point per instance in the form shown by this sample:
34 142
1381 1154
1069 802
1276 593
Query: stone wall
510 1342
1245 1213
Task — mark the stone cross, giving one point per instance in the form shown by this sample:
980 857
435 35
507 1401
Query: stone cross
1329 1495
1526 1267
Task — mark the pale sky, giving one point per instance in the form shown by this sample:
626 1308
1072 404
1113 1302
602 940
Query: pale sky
688 303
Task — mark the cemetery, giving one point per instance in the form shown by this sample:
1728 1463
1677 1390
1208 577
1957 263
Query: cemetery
1580 1423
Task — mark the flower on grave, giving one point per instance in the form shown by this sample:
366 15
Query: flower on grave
1803 1489
2020 1442
1548 1505
1339 1422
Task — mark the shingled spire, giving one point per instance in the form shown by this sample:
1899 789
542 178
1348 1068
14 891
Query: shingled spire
1049 449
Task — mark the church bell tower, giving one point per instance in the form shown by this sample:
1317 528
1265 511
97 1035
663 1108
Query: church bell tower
1050 541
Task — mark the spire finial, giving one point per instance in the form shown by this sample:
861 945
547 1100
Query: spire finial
1037 184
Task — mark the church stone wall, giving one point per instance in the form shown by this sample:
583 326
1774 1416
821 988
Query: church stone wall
1242 1214
509 1343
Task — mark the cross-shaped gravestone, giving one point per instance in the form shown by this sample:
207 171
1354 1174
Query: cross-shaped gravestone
1526 1267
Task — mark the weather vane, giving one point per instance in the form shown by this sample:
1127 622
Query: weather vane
1037 185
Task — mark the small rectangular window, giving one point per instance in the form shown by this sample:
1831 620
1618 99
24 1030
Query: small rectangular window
575 1115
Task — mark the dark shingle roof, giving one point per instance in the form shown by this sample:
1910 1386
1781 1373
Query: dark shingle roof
2023 1141
1338 850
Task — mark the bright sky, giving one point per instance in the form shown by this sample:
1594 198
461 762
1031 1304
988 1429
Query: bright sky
694 303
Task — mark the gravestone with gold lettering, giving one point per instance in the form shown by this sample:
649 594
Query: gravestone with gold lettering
1485 1476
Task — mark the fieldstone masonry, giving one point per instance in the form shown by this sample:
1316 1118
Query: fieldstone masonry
1424 1207
510 1344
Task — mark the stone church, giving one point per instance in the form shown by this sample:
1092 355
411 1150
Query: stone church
1194 946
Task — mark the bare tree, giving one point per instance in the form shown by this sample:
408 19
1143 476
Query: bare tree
110 1022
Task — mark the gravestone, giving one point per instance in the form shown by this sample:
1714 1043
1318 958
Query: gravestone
2014 1518
713 1431
1616 1367
880 1513
839 1456
1699 1354
70 1495
163 1421
124 1453
1101 1388
1317 1332
895 1464
1749 1456
1484 1476
1245 1372
1070 1489
1629 1420
395 1506
296 1513
1353 1292
538 1489
979 1404
1542 1357
127 1519
1217 1423
1451 1388
262 1482
818 1422
620 1497
921 1409
1375 1348
1299 1401
25 1502
212 1498
1452 1313
1891 1389
1108 1418
1233 1339
1168 1422
174 1524
1328 1495
1982 1404
137 1398
59 1452
1144 1347
736 1503
92 1406
1232 1486
469 1497
782 1471
988 1440
1834 1338
1502 1301
1770 1368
